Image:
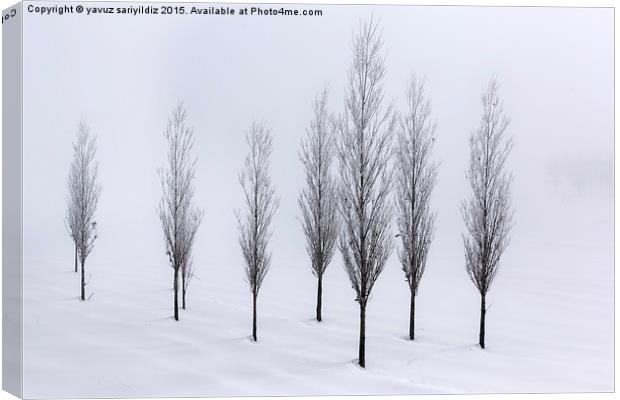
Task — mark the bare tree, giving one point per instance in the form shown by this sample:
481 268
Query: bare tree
318 200
365 133
180 219
261 204
83 193
488 213
416 175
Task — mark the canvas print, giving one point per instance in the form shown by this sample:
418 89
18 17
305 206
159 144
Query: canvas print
207 199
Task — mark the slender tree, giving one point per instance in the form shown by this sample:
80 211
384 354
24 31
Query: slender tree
318 200
179 218
365 132
261 203
416 174
488 212
83 193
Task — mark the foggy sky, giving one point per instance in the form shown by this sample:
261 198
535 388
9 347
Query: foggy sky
124 74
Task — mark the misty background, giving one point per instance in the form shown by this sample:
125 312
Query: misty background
124 74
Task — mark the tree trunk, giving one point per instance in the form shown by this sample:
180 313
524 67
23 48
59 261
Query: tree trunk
319 296
483 312
83 285
362 349
176 294
76 258
254 316
412 316
183 290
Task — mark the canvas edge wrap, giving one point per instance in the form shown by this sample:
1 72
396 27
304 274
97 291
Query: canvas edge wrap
12 244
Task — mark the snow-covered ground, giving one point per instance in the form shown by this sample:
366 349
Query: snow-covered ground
550 319
550 329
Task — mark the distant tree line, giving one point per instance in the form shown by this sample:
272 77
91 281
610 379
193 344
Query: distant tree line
364 168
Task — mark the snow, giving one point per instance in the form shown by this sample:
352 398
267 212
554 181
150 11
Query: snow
549 329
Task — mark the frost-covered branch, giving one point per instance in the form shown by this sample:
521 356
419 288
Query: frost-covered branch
488 212
365 133
83 193
318 200
179 218
261 203
416 175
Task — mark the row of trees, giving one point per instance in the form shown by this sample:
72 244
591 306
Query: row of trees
386 171
380 152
